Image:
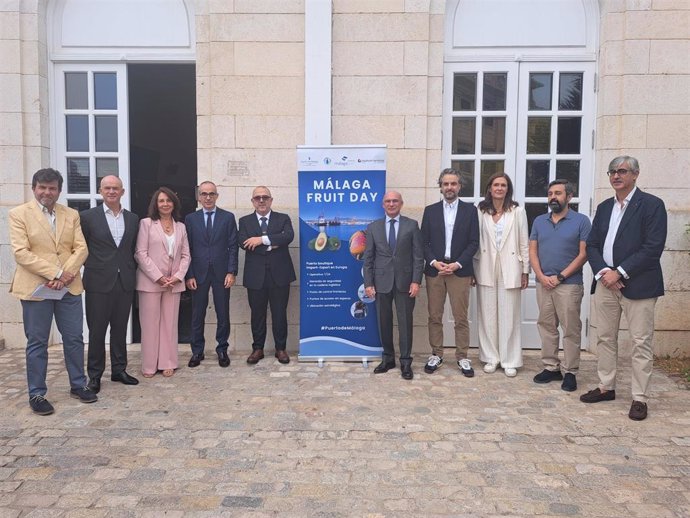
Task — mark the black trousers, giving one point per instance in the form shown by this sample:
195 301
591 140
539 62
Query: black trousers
103 310
259 300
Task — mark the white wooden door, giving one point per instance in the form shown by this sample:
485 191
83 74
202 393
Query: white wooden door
533 121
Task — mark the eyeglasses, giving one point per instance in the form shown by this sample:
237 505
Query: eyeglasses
208 194
619 172
261 198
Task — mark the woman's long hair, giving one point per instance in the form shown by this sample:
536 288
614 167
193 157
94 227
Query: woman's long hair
487 204
153 205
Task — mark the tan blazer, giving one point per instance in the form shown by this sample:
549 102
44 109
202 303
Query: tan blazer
41 254
153 259
513 254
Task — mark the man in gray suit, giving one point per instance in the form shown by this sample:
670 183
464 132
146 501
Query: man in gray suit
393 268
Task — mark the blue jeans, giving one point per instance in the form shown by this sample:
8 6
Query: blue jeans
38 317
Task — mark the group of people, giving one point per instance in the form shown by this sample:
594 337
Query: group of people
158 257
459 246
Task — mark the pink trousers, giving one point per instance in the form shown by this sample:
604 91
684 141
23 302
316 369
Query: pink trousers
158 314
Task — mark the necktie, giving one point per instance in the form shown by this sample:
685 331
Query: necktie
264 225
209 222
391 235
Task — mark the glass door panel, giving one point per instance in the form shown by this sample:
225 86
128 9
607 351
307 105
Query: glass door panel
481 125
91 138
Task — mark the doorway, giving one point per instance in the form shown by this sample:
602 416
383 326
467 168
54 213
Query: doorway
162 148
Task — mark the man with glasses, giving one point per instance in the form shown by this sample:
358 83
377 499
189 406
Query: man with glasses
268 271
556 254
624 250
212 234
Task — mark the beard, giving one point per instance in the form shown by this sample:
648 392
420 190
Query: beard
556 206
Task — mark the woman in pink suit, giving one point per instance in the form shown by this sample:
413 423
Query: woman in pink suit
163 255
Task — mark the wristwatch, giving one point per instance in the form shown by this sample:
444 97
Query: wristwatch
560 277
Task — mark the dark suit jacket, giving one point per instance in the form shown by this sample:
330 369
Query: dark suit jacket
385 269
638 245
105 258
465 240
220 250
278 259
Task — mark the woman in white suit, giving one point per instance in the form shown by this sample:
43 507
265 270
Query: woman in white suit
162 252
501 271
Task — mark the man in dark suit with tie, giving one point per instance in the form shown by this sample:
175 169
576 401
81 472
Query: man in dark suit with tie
109 280
450 233
393 268
268 271
212 235
624 250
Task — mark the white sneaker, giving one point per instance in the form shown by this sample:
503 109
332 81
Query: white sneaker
510 372
465 367
490 368
433 364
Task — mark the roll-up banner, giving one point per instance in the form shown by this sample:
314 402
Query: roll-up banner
341 190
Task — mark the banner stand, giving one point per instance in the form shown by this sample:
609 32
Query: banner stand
341 191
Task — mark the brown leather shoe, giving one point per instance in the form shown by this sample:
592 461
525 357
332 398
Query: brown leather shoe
257 354
282 356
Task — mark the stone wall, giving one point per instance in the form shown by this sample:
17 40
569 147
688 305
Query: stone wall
24 131
644 111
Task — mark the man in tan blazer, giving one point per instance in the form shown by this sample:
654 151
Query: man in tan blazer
49 249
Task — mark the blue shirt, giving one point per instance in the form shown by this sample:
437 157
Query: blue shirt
558 244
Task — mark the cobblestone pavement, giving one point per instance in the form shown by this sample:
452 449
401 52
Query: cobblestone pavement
299 440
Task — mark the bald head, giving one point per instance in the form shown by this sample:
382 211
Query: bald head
392 203
112 191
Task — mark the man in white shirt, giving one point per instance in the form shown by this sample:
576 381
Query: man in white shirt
624 249
450 236
109 280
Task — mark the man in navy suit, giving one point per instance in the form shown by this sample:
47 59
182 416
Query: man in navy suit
393 268
624 249
268 271
212 234
450 235
109 280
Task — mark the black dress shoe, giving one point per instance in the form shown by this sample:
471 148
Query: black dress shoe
195 360
124 378
223 359
407 372
94 385
384 367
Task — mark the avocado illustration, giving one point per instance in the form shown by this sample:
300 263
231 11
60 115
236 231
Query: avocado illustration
321 241
333 243
312 244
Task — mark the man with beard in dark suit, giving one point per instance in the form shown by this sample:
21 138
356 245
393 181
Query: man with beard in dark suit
109 280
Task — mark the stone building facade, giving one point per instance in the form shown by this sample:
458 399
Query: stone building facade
269 75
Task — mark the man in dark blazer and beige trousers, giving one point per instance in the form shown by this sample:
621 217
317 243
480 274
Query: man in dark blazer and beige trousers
624 250
393 268
109 280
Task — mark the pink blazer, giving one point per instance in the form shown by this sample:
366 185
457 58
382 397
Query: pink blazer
153 259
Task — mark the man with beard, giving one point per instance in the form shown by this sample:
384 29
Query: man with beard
557 252
450 236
